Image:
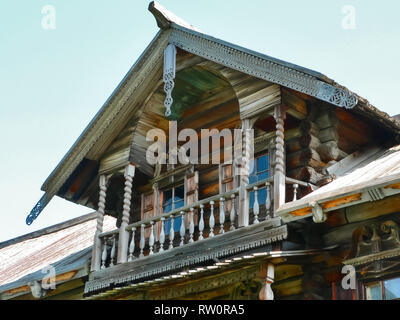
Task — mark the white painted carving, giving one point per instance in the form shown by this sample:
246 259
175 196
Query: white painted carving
169 76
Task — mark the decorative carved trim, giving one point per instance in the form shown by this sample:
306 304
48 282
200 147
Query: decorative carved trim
139 75
231 57
374 247
319 215
184 260
37 209
169 76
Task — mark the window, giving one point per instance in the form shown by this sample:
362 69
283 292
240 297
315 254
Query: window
383 290
259 170
173 199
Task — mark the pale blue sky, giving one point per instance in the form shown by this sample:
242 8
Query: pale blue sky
54 81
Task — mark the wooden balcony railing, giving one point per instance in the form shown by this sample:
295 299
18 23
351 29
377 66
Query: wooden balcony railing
215 215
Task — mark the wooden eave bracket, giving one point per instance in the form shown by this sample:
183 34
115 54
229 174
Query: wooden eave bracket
317 212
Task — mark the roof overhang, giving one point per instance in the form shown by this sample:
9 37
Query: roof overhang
317 206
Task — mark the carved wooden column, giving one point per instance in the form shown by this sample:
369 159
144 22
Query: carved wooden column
96 252
123 233
266 292
279 173
247 148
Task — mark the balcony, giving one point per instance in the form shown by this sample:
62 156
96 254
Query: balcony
210 231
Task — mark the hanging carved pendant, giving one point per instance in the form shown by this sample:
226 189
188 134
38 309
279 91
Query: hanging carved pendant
169 76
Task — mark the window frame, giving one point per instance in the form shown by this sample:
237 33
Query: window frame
381 281
265 152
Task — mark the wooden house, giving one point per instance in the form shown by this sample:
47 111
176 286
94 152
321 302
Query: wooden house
318 189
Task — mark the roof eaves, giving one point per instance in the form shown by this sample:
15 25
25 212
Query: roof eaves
389 185
51 229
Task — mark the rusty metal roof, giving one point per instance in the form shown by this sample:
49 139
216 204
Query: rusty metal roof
30 253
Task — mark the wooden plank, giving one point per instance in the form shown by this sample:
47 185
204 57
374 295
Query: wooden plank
342 200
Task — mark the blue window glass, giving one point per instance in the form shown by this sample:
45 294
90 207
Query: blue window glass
374 291
392 289
259 170
170 204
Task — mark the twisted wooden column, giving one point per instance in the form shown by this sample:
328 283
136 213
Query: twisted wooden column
123 233
96 252
279 173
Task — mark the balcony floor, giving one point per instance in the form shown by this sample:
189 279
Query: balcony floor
189 255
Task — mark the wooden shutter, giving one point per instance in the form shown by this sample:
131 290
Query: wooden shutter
148 207
226 182
191 186
226 179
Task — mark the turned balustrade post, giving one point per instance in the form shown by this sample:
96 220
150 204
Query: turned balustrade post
268 200
171 234
142 241
201 222
162 235
256 206
191 225
221 215
182 230
295 187
112 254
104 254
123 233
211 221
132 246
233 213
151 238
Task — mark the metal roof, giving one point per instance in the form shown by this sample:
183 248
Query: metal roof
365 171
64 246
375 163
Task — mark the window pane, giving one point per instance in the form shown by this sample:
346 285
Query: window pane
167 195
179 202
167 206
262 163
262 175
261 195
392 289
252 179
179 192
374 291
251 204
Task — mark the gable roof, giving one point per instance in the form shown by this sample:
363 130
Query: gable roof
131 91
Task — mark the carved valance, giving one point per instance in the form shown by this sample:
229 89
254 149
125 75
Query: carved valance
375 248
